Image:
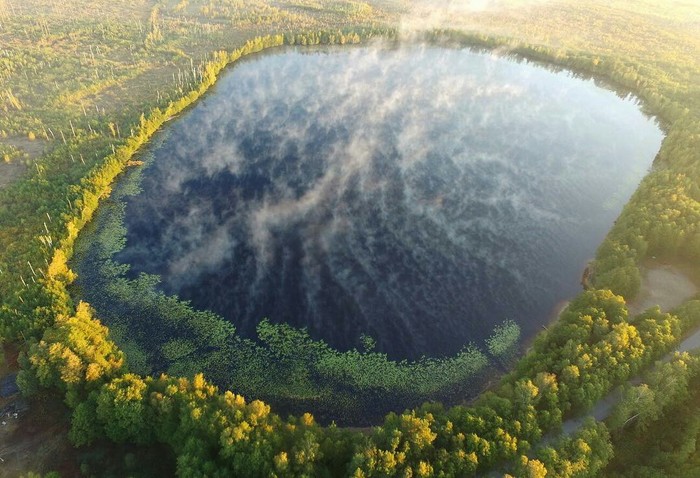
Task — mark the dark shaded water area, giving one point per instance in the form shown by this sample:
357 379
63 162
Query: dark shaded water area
419 196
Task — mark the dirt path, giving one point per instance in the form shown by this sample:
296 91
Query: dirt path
604 407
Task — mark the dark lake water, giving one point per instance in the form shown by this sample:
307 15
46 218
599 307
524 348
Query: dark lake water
419 195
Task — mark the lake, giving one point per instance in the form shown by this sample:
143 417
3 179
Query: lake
419 196
403 200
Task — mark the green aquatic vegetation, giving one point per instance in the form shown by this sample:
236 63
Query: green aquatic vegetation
504 339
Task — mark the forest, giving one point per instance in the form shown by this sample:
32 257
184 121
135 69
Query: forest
84 86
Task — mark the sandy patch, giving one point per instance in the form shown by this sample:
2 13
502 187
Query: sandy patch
664 285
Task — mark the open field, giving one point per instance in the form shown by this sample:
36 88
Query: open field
665 286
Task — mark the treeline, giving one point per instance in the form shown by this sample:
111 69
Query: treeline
592 348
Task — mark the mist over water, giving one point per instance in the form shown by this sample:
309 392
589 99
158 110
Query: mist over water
416 195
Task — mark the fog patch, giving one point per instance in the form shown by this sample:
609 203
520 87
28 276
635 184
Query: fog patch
415 194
